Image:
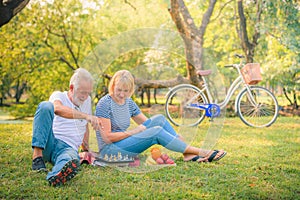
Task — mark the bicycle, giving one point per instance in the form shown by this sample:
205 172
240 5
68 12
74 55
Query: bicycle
256 106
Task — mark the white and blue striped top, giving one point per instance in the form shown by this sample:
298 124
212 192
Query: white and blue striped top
119 115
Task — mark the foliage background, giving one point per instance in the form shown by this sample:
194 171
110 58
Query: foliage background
44 43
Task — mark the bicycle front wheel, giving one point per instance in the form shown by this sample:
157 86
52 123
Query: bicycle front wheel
259 108
181 106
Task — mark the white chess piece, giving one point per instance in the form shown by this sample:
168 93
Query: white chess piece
105 157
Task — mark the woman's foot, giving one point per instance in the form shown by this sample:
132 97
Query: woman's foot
193 158
216 155
212 156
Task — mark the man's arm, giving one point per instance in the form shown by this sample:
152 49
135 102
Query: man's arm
69 113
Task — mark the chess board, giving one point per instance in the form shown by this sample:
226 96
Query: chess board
119 161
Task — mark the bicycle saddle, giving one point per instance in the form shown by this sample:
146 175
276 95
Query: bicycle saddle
204 72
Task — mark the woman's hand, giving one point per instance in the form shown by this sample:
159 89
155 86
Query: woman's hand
138 129
141 128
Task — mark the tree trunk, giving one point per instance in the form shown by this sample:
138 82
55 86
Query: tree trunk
192 35
286 96
295 104
247 46
9 8
19 91
142 83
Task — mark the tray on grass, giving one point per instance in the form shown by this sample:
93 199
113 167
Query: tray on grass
112 162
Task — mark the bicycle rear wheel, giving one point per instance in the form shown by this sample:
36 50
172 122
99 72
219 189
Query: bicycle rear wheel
262 112
178 105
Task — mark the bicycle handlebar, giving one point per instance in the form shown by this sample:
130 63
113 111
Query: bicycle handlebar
235 65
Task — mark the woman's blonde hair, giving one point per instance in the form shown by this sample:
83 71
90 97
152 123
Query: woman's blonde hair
124 78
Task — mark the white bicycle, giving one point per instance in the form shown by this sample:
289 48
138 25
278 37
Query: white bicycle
188 105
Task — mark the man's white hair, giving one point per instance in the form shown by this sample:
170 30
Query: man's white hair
79 75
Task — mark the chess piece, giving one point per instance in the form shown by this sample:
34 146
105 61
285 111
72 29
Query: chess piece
106 157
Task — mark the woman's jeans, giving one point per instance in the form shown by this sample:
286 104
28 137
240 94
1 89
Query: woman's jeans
54 150
159 131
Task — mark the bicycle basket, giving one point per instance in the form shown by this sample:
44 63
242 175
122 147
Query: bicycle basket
251 73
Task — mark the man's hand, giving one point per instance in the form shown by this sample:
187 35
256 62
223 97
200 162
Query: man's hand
95 122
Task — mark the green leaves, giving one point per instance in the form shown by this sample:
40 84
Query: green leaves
47 40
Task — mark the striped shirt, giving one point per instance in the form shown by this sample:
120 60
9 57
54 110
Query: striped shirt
119 115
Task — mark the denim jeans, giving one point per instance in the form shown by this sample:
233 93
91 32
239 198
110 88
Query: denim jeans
159 131
54 150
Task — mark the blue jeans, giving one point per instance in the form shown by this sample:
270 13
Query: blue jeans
54 150
159 131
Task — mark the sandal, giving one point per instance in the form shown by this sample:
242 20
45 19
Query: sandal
214 154
198 159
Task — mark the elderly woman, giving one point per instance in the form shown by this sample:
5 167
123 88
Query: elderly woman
115 111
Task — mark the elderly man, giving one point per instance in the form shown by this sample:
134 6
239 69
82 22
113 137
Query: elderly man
60 126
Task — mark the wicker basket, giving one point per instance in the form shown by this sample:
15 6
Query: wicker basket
251 73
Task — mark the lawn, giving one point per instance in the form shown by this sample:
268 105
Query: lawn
260 164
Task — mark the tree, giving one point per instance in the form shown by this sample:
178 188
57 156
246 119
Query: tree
14 62
46 49
281 53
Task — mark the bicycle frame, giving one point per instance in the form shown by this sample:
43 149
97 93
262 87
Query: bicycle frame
233 87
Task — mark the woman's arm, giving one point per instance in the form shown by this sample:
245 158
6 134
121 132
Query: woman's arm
140 118
110 137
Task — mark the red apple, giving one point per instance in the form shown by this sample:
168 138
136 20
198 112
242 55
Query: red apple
169 161
165 157
159 161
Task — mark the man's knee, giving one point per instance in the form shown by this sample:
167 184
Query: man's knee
44 114
46 105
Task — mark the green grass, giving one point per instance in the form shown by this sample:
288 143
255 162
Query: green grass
261 164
